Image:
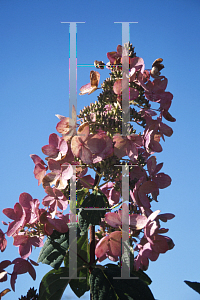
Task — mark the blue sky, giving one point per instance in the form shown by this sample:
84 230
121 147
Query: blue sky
34 86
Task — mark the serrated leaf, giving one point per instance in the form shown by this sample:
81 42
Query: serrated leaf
91 217
52 286
80 286
194 285
104 286
55 247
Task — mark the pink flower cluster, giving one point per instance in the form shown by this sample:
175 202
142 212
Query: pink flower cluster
29 226
86 149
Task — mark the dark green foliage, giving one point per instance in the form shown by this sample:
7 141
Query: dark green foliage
91 217
81 194
52 285
80 285
54 249
194 285
56 246
104 287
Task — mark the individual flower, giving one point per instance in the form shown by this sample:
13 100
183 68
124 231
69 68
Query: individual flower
86 145
40 168
62 171
108 108
115 57
127 145
161 179
21 266
152 244
141 190
54 199
67 126
121 85
56 146
135 221
25 243
152 141
112 195
30 206
51 223
18 215
109 247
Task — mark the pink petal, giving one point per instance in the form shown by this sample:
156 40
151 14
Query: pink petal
166 216
143 199
58 224
115 243
153 215
162 180
148 187
54 140
36 241
160 83
9 212
87 178
102 247
67 171
133 94
62 204
117 87
39 172
13 280
85 155
137 222
20 239
36 159
63 147
31 270
63 126
4 264
50 150
25 199
113 219
165 129
25 250
96 143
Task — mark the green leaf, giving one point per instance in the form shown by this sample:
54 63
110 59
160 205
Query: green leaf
91 217
142 275
80 286
55 247
194 285
52 286
81 196
104 286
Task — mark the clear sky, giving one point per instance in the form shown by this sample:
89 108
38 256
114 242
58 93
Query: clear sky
34 86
